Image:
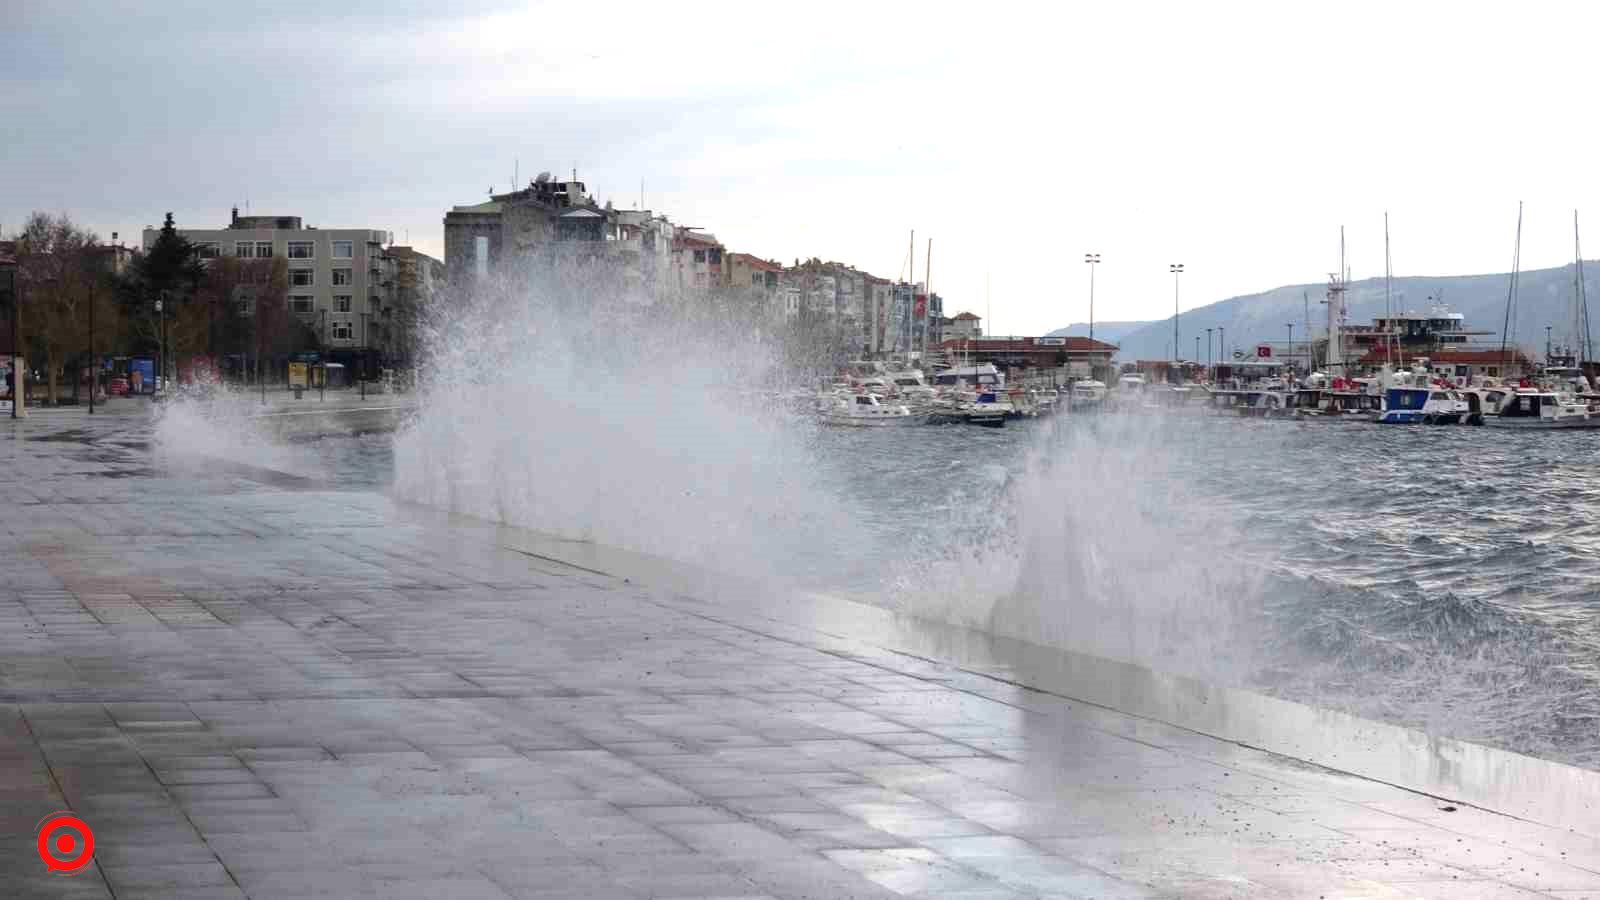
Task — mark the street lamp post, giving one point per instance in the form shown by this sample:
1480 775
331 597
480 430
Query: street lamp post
1093 259
1208 347
8 288
161 339
364 355
1176 269
1222 343
1289 360
1547 343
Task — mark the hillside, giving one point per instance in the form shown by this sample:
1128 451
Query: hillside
1103 331
1544 297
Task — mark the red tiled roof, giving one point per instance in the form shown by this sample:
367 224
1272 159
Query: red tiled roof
755 262
1027 345
1377 357
966 317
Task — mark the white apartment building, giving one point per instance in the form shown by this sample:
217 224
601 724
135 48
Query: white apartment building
340 279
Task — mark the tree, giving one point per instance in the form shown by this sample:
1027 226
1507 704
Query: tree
171 270
59 264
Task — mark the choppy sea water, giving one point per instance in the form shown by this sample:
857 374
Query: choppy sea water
1442 578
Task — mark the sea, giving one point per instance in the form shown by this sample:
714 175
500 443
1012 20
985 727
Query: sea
1443 578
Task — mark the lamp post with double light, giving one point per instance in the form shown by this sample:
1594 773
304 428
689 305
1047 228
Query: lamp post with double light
1093 259
1176 269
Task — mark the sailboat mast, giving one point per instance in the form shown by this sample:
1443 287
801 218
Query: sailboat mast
911 278
1388 295
1511 294
1586 353
927 287
1311 356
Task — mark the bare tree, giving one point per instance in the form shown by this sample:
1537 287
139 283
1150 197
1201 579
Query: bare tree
58 262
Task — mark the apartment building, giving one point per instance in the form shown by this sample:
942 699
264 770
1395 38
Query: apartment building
340 279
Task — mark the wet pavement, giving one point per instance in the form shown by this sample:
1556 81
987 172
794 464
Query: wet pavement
250 684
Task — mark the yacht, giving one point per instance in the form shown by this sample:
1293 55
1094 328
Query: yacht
985 408
1423 406
982 377
867 410
1543 409
1088 394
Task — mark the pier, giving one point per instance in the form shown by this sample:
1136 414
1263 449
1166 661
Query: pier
250 683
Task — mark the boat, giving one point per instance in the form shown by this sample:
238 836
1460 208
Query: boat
981 377
1422 406
1543 410
867 410
1088 394
985 408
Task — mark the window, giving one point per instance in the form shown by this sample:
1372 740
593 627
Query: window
302 250
344 249
341 276
715 255
244 307
302 277
756 280
341 302
263 249
244 249
343 331
300 303
700 256
209 249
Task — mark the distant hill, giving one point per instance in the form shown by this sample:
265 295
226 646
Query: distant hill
1544 297
1110 332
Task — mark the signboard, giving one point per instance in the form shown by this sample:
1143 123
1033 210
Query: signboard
297 375
1051 342
1263 351
141 375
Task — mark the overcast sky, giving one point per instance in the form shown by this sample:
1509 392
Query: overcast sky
1233 138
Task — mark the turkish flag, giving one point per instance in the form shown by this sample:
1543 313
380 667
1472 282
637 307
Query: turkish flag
921 305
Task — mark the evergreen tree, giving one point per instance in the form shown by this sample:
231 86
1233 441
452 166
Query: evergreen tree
171 268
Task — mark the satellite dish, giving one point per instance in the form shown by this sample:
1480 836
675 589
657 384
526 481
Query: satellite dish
542 178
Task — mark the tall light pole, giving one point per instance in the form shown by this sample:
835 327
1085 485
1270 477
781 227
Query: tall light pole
1176 269
1093 259
1290 356
161 339
1208 347
1197 348
1222 344
1547 343
8 289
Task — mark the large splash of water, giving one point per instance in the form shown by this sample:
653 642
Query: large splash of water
570 409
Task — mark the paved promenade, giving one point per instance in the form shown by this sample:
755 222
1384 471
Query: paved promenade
254 685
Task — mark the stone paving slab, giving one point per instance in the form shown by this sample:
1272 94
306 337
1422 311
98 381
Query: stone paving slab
257 687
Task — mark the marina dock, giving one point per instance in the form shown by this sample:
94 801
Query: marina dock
255 684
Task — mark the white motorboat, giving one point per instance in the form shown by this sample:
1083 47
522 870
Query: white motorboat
1542 409
867 410
1088 394
985 408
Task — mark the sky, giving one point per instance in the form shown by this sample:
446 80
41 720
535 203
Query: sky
1234 138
